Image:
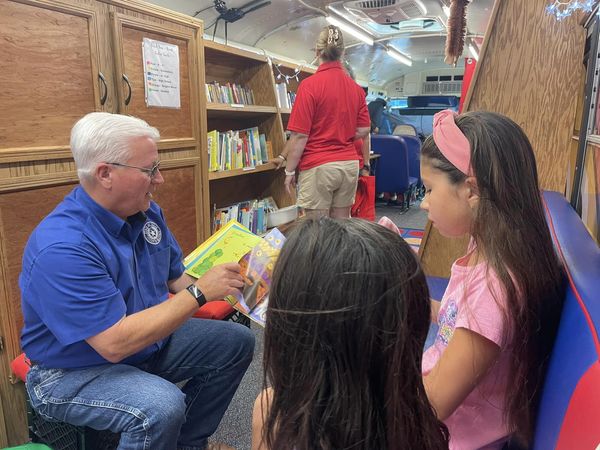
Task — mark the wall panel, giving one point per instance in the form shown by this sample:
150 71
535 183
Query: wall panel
531 70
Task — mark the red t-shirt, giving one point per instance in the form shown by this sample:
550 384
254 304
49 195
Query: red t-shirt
329 107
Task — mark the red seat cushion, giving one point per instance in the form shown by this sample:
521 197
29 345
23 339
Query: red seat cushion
216 310
20 366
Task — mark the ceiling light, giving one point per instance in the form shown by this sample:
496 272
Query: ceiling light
474 52
399 56
351 30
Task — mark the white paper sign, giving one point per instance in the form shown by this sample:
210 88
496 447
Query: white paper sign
161 73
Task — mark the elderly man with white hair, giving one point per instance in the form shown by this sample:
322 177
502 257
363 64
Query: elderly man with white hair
106 342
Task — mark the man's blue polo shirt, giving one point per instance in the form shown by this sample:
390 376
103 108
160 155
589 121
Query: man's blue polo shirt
84 268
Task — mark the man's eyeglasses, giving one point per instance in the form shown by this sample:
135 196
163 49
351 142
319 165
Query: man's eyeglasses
151 172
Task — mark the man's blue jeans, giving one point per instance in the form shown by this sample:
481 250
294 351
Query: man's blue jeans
142 403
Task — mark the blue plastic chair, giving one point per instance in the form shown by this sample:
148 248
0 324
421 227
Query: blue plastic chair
392 171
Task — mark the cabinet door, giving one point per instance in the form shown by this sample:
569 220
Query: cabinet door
128 34
50 74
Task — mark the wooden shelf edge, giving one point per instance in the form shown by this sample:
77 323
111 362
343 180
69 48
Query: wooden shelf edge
289 65
285 110
241 109
239 172
233 50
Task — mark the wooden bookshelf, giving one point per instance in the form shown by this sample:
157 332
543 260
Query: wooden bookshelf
220 110
224 64
238 172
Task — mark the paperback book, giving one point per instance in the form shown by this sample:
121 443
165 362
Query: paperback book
257 270
256 256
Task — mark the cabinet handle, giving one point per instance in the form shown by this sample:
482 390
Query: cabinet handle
103 80
128 99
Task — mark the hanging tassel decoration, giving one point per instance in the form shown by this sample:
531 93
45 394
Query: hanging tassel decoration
457 30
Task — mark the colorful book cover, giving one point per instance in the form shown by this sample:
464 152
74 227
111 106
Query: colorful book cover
213 150
257 270
262 139
255 141
229 244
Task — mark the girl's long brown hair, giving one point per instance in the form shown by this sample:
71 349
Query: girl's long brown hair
347 320
511 230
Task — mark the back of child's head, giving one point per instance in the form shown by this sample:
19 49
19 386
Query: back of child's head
510 230
347 320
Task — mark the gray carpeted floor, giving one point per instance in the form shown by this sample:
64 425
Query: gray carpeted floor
235 428
414 217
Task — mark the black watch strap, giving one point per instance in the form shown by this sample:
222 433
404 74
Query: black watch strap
197 293
366 167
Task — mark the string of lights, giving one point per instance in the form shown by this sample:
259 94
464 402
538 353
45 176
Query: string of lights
280 75
562 9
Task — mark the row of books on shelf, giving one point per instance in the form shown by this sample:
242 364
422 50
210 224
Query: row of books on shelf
237 149
229 93
252 214
285 98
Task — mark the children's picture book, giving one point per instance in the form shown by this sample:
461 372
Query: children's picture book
257 270
228 244
256 256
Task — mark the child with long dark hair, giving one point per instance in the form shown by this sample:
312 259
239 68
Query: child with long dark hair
500 312
347 320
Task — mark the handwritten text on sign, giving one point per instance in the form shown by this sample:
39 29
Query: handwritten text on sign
161 74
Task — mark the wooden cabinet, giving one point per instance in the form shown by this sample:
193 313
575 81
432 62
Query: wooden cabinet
61 60
127 35
49 77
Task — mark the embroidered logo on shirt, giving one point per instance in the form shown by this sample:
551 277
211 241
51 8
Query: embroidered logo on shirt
152 233
447 322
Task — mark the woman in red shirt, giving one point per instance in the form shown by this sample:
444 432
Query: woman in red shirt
329 114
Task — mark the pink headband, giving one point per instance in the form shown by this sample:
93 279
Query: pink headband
451 141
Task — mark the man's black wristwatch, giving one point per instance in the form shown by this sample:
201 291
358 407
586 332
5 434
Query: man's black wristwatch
197 293
366 167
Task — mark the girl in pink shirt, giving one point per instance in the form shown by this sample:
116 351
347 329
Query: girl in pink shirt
499 314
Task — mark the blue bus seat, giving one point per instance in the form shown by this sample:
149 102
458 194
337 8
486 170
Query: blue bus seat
569 412
413 144
392 170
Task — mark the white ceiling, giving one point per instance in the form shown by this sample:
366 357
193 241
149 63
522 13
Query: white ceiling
290 28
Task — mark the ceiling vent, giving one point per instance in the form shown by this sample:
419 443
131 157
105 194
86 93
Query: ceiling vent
386 11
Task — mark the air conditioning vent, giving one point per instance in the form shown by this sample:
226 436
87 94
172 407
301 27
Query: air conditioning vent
441 87
376 4
386 11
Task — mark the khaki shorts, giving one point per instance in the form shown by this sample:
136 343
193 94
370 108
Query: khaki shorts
329 185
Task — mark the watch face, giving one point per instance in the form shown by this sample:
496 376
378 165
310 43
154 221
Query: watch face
194 290
197 293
